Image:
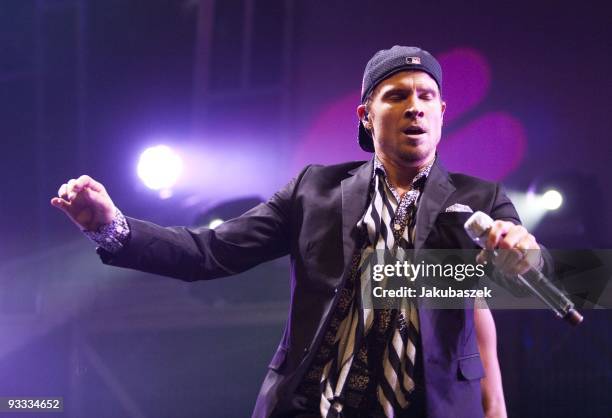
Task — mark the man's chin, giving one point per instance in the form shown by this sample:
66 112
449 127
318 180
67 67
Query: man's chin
416 157
409 155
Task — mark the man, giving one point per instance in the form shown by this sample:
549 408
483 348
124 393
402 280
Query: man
337 358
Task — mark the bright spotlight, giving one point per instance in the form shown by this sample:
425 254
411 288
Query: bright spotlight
215 223
552 200
159 167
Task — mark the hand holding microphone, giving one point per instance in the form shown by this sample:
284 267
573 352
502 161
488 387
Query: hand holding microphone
520 249
521 258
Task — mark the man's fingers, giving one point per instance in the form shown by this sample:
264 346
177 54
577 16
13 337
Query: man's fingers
79 184
513 244
497 231
507 260
531 251
484 256
82 183
481 258
70 189
513 236
63 191
87 181
60 203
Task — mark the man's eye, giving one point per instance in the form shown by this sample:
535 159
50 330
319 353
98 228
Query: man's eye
427 96
396 97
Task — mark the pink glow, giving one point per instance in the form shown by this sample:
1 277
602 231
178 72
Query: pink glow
332 138
490 147
466 80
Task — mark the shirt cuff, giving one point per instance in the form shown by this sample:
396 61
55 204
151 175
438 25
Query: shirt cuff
113 236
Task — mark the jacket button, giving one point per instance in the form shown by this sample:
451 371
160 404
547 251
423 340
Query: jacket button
306 350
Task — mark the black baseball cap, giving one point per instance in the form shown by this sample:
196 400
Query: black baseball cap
387 62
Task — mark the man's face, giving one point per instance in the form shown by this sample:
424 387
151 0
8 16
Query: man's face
405 118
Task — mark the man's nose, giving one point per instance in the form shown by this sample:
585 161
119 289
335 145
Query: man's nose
413 110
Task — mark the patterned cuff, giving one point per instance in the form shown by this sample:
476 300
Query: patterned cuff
113 236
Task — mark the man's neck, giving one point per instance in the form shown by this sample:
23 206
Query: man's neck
401 174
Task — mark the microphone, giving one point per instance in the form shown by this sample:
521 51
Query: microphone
478 226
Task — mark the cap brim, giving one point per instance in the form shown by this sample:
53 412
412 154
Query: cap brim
365 140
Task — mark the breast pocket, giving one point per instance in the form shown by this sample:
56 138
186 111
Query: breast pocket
448 231
453 218
470 367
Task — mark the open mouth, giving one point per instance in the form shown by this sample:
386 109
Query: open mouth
414 130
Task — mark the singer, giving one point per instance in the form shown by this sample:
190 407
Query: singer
337 359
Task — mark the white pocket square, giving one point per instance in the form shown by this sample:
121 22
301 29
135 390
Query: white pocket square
458 207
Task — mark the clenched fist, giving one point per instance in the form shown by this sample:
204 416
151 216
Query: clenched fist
519 249
86 203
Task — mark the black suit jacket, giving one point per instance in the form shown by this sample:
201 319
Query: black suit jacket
314 220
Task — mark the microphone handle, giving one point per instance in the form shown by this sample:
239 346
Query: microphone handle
554 297
549 294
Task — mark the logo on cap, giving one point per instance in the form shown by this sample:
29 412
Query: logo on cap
413 60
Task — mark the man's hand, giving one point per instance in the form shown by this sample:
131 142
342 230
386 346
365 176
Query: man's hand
517 248
86 203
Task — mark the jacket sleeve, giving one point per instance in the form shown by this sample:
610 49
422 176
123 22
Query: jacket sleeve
261 234
503 209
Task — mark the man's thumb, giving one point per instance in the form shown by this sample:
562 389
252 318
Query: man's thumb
60 203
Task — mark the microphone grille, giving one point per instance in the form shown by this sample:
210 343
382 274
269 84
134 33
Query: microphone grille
477 225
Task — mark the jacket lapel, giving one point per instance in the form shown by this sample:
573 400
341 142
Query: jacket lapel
354 199
437 190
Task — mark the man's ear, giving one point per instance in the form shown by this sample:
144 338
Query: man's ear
443 107
362 114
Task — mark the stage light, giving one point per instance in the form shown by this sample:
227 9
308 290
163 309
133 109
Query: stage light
533 207
215 223
159 167
551 199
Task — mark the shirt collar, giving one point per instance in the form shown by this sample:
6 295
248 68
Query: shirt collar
417 181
